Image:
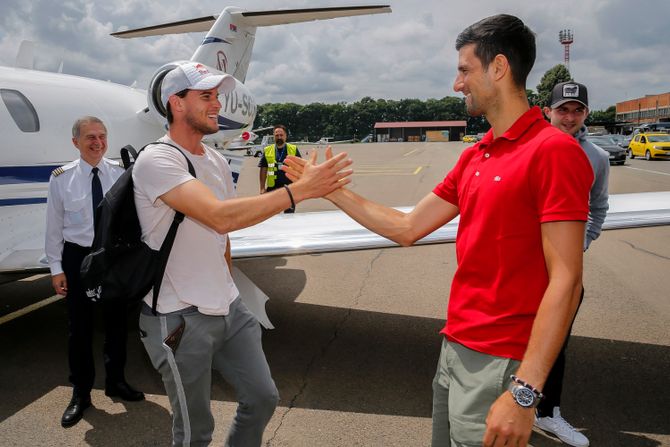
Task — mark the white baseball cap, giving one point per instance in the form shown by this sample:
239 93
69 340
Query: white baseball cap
193 76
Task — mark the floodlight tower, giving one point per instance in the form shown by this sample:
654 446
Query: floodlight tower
565 37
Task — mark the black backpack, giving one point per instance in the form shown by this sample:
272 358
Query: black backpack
121 269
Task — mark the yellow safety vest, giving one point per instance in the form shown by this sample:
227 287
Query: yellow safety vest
269 151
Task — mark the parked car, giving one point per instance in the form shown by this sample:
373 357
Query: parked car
650 146
626 141
619 139
470 139
661 126
617 153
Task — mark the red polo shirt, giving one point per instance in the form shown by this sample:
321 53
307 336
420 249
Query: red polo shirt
505 188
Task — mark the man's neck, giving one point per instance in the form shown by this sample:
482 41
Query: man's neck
506 111
91 163
187 138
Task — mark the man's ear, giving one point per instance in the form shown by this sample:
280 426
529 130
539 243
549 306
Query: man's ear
547 112
175 103
500 66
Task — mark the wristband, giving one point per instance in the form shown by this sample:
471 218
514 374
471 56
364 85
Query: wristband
290 196
523 383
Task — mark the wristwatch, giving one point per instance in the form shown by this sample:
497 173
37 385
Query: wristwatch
523 396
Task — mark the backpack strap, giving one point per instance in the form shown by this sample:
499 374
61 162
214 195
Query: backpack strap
166 247
126 152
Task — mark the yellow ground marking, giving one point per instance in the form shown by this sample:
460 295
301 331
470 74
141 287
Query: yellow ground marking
28 309
386 170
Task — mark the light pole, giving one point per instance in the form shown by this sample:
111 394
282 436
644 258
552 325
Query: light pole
566 38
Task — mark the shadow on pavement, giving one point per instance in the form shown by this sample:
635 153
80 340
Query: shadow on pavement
150 421
347 360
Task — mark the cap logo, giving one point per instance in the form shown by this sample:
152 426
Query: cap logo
570 91
201 69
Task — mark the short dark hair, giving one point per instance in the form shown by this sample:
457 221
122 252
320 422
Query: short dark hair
280 126
168 111
502 34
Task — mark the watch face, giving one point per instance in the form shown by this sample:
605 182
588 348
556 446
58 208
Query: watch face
524 396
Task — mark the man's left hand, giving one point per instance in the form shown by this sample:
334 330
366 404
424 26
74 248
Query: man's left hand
508 423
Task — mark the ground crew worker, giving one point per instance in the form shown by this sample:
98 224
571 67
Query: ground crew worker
271 176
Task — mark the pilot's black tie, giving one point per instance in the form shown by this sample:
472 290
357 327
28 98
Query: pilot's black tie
96 189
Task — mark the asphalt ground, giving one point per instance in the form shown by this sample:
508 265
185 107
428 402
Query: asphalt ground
356 339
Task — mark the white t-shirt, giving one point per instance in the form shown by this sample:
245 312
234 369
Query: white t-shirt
197 273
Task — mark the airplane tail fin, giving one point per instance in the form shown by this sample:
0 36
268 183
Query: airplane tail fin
25 57
231 35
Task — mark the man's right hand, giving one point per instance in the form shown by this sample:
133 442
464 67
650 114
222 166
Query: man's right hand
59 283
318 180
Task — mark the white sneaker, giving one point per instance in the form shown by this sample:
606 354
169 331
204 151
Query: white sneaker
561 428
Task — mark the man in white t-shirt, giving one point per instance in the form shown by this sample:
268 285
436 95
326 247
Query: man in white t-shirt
201 324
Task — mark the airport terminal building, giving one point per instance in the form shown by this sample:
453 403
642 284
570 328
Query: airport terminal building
648 109
419 131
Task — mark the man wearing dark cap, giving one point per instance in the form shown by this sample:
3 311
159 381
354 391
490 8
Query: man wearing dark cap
201 324
568 109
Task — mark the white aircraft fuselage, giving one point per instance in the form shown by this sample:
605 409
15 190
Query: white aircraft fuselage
38 109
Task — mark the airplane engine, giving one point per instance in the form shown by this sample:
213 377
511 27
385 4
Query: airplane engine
237 114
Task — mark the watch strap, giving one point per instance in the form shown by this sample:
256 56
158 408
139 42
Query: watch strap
523 383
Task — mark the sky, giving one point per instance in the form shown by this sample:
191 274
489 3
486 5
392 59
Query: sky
620 49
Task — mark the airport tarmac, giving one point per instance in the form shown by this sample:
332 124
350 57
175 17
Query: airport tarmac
356 339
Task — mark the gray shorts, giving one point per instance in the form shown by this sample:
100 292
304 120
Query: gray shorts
465 386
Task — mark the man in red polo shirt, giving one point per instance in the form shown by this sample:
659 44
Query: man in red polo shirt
522 194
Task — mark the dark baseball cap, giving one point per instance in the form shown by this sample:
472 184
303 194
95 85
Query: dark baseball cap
567 92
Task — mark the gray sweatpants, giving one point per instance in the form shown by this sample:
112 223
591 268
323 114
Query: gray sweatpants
229 344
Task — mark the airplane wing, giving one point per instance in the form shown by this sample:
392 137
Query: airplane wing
334 231
327 231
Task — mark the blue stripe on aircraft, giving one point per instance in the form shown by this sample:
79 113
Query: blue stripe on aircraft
214 40
226 124
10 175
22 201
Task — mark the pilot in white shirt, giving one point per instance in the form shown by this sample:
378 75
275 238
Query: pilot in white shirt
70 207
73 189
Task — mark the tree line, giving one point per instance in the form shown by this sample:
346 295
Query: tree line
356 120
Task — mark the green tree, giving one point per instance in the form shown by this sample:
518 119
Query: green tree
532 98
602 117
553 76
356 120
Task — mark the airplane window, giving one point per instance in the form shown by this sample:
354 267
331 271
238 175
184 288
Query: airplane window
21 109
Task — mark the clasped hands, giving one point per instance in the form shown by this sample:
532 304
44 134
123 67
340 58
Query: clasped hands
319 179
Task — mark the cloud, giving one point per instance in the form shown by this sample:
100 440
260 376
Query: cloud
618 51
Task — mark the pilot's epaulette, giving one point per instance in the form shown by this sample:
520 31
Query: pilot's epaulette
113 162
58 171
